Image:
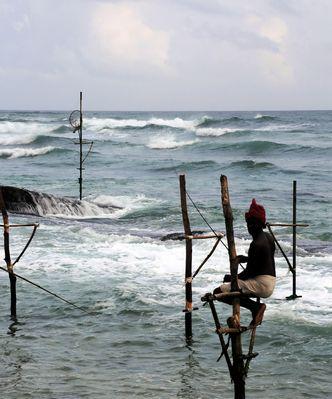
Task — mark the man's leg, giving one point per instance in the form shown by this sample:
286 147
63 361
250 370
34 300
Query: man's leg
257 309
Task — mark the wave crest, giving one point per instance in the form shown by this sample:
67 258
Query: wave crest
250 164
216 132
112 123
12 153
265 117
168 142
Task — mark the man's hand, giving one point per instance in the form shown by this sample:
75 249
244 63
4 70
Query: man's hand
242 259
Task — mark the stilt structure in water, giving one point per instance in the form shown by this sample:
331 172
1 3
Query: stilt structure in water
294 225
10 265
188 270
76 121
238 363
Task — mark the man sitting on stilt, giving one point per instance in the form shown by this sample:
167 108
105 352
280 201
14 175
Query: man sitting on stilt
258 278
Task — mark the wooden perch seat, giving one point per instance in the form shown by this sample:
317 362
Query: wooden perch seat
214 297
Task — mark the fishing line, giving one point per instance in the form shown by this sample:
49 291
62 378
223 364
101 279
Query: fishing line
46 290
200 213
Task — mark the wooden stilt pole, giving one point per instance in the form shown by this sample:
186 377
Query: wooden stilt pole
188 271
80 179
12 277
234 322
294 225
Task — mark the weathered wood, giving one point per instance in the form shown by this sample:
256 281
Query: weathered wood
227 210
221 338
225 330
20 225
294 294
250 351
188 270
238 364
294 238
12 277
203 237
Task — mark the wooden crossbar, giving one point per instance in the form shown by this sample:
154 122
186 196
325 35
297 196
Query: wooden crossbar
203 237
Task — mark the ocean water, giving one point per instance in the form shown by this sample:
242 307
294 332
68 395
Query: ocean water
114 263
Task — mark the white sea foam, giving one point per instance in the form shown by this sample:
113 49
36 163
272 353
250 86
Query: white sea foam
168 142
16 139
126 204
215 132
149 264
101 123
261 116
11 153
25 127
286 127
103 206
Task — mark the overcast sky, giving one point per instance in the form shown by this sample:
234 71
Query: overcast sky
166 54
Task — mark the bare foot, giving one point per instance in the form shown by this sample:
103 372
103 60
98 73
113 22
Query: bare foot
257 317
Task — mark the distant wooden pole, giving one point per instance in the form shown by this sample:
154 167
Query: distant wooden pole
188 271
12 277
80 180
294 238
234 322
294 225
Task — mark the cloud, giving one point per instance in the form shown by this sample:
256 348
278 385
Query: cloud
120 38
276 65
188 54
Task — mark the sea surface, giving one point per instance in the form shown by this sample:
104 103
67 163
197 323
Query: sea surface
113 262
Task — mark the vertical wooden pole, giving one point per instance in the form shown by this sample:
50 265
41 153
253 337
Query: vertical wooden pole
188 271
81 148
12 277
238 364
294 294
294 238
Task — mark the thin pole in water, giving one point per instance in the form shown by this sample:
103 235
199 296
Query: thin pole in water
294 295
12 277
80 180
188 273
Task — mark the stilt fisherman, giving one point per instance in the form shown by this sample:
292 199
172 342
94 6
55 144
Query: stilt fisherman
259 277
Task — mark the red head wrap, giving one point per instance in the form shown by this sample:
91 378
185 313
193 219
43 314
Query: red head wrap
256 211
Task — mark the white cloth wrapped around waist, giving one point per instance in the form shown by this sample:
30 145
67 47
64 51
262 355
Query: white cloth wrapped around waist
261 286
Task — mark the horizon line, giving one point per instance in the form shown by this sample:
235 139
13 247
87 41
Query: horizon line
165 110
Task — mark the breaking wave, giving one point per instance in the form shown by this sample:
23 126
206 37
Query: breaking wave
216 132
264 117
23 201
12 153
62 129
170 142
21 127
112 123
14 140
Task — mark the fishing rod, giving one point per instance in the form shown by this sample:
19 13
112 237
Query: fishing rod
46 290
